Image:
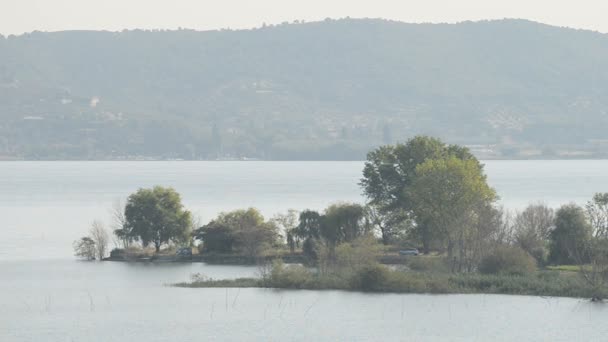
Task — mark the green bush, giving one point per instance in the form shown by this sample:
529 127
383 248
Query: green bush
380 279
509 261
370 278
291 277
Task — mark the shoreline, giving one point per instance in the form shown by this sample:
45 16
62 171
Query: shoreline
236 260
430 285
239 260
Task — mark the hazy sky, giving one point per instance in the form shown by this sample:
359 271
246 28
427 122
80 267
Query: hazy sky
18 16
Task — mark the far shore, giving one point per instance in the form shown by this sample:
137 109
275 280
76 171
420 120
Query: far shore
237 259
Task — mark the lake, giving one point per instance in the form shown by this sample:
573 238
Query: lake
46 295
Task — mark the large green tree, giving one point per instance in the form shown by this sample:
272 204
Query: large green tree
571 233
157 216
390 171
450 195
309 231
340 222
343 222
243 230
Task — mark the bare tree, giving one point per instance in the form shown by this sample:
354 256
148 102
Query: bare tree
592 254
120 238
504 231
597 213
533 227
592 258
488 227
254 240
196 223
286 224
84 248
100 236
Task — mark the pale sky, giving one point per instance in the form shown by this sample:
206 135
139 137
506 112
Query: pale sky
18 16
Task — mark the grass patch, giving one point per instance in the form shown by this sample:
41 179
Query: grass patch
567 268
378 278
240 282
428 263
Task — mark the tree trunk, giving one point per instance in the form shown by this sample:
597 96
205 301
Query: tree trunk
385 236
426 245
451 258
425 236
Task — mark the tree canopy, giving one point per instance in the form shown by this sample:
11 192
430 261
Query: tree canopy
448 196
243 230
572 231
156 216
391 170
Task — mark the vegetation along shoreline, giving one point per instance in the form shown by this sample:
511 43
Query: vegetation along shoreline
431 224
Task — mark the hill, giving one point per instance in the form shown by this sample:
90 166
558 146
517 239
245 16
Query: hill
321 90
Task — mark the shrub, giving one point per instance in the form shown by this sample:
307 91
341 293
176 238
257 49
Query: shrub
117 253
428 264
85 248
360 253
370 278
309 249
539 253
508 260
291 277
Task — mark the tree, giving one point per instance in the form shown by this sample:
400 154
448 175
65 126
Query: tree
595 271
501 223
251 233
287 224
595 268
244 230
84 248
254 240
389 225
156 216
572 231
310 224
390 171
118 224
100 237
489 229
533 228
448 195
216 237
340 222
343 222
597 212
510 260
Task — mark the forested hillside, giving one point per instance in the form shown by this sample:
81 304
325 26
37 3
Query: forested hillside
322 90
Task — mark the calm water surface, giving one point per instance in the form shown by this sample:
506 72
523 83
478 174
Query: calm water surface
78 301
45 295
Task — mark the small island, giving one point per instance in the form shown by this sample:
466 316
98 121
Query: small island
431 225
